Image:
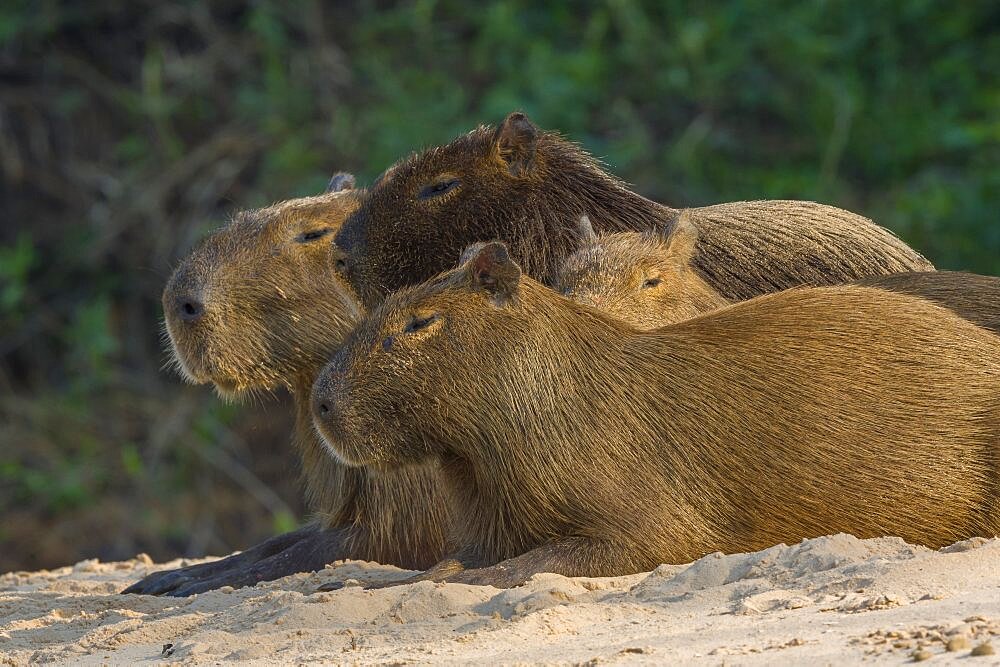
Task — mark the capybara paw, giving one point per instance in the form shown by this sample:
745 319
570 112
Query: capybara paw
330 586
496 576
159 583
397 582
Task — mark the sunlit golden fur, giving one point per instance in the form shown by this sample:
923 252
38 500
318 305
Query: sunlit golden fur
528 188
649 280
275 310
572 442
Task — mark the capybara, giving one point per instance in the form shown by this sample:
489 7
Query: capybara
528 188
259 305
648 279
575 443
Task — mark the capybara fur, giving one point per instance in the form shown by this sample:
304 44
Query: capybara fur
527 187
575 443
649 280
260 305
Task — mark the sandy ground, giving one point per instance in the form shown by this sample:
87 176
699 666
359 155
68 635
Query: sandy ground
832 600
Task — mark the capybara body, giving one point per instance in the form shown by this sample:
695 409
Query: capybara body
260 305
575 443
527 188
971 296
648 280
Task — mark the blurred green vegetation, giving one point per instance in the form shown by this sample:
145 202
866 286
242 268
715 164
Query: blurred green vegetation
127 130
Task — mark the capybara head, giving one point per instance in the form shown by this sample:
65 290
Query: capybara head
514 182
644 278
527 188
259 303
372 402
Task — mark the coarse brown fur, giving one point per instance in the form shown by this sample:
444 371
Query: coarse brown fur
648 280
273 312
575 443
527 188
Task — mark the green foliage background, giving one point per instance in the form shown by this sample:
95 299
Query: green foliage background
127 130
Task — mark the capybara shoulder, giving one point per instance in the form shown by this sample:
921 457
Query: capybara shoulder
810 411
528 187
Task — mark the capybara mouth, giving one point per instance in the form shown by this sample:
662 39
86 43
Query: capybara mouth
335 445
192 361
229 385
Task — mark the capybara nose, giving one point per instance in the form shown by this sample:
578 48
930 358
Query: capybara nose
327 403
324 411
190 309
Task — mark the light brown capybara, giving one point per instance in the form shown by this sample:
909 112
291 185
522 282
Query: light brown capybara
527 188
259 305
575 443
648 279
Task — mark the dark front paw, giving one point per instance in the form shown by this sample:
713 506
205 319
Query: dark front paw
159 583
303 550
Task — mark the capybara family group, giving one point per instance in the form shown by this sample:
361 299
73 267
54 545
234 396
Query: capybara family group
505 362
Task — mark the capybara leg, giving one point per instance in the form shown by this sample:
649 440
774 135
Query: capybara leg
439 572
303 550
571 557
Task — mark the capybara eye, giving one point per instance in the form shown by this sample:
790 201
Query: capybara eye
439 188
418 323
312 235
651 282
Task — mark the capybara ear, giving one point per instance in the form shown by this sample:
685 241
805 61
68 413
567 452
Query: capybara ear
515 141
340 181
586 232
681 238
470 251
492 270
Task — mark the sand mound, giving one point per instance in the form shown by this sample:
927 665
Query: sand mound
833 599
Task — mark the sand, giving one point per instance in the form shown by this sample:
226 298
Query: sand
830 600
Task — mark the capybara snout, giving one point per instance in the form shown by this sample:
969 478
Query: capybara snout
183 298
328 403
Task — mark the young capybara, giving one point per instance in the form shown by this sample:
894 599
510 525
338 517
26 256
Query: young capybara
574 443
527 187
259 305
648 279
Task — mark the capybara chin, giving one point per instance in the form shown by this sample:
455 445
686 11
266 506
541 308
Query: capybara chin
649 279
257 305
528 188
577 444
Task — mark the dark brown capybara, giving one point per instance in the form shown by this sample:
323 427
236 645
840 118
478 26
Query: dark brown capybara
259 305
575 443
528 188
648 280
